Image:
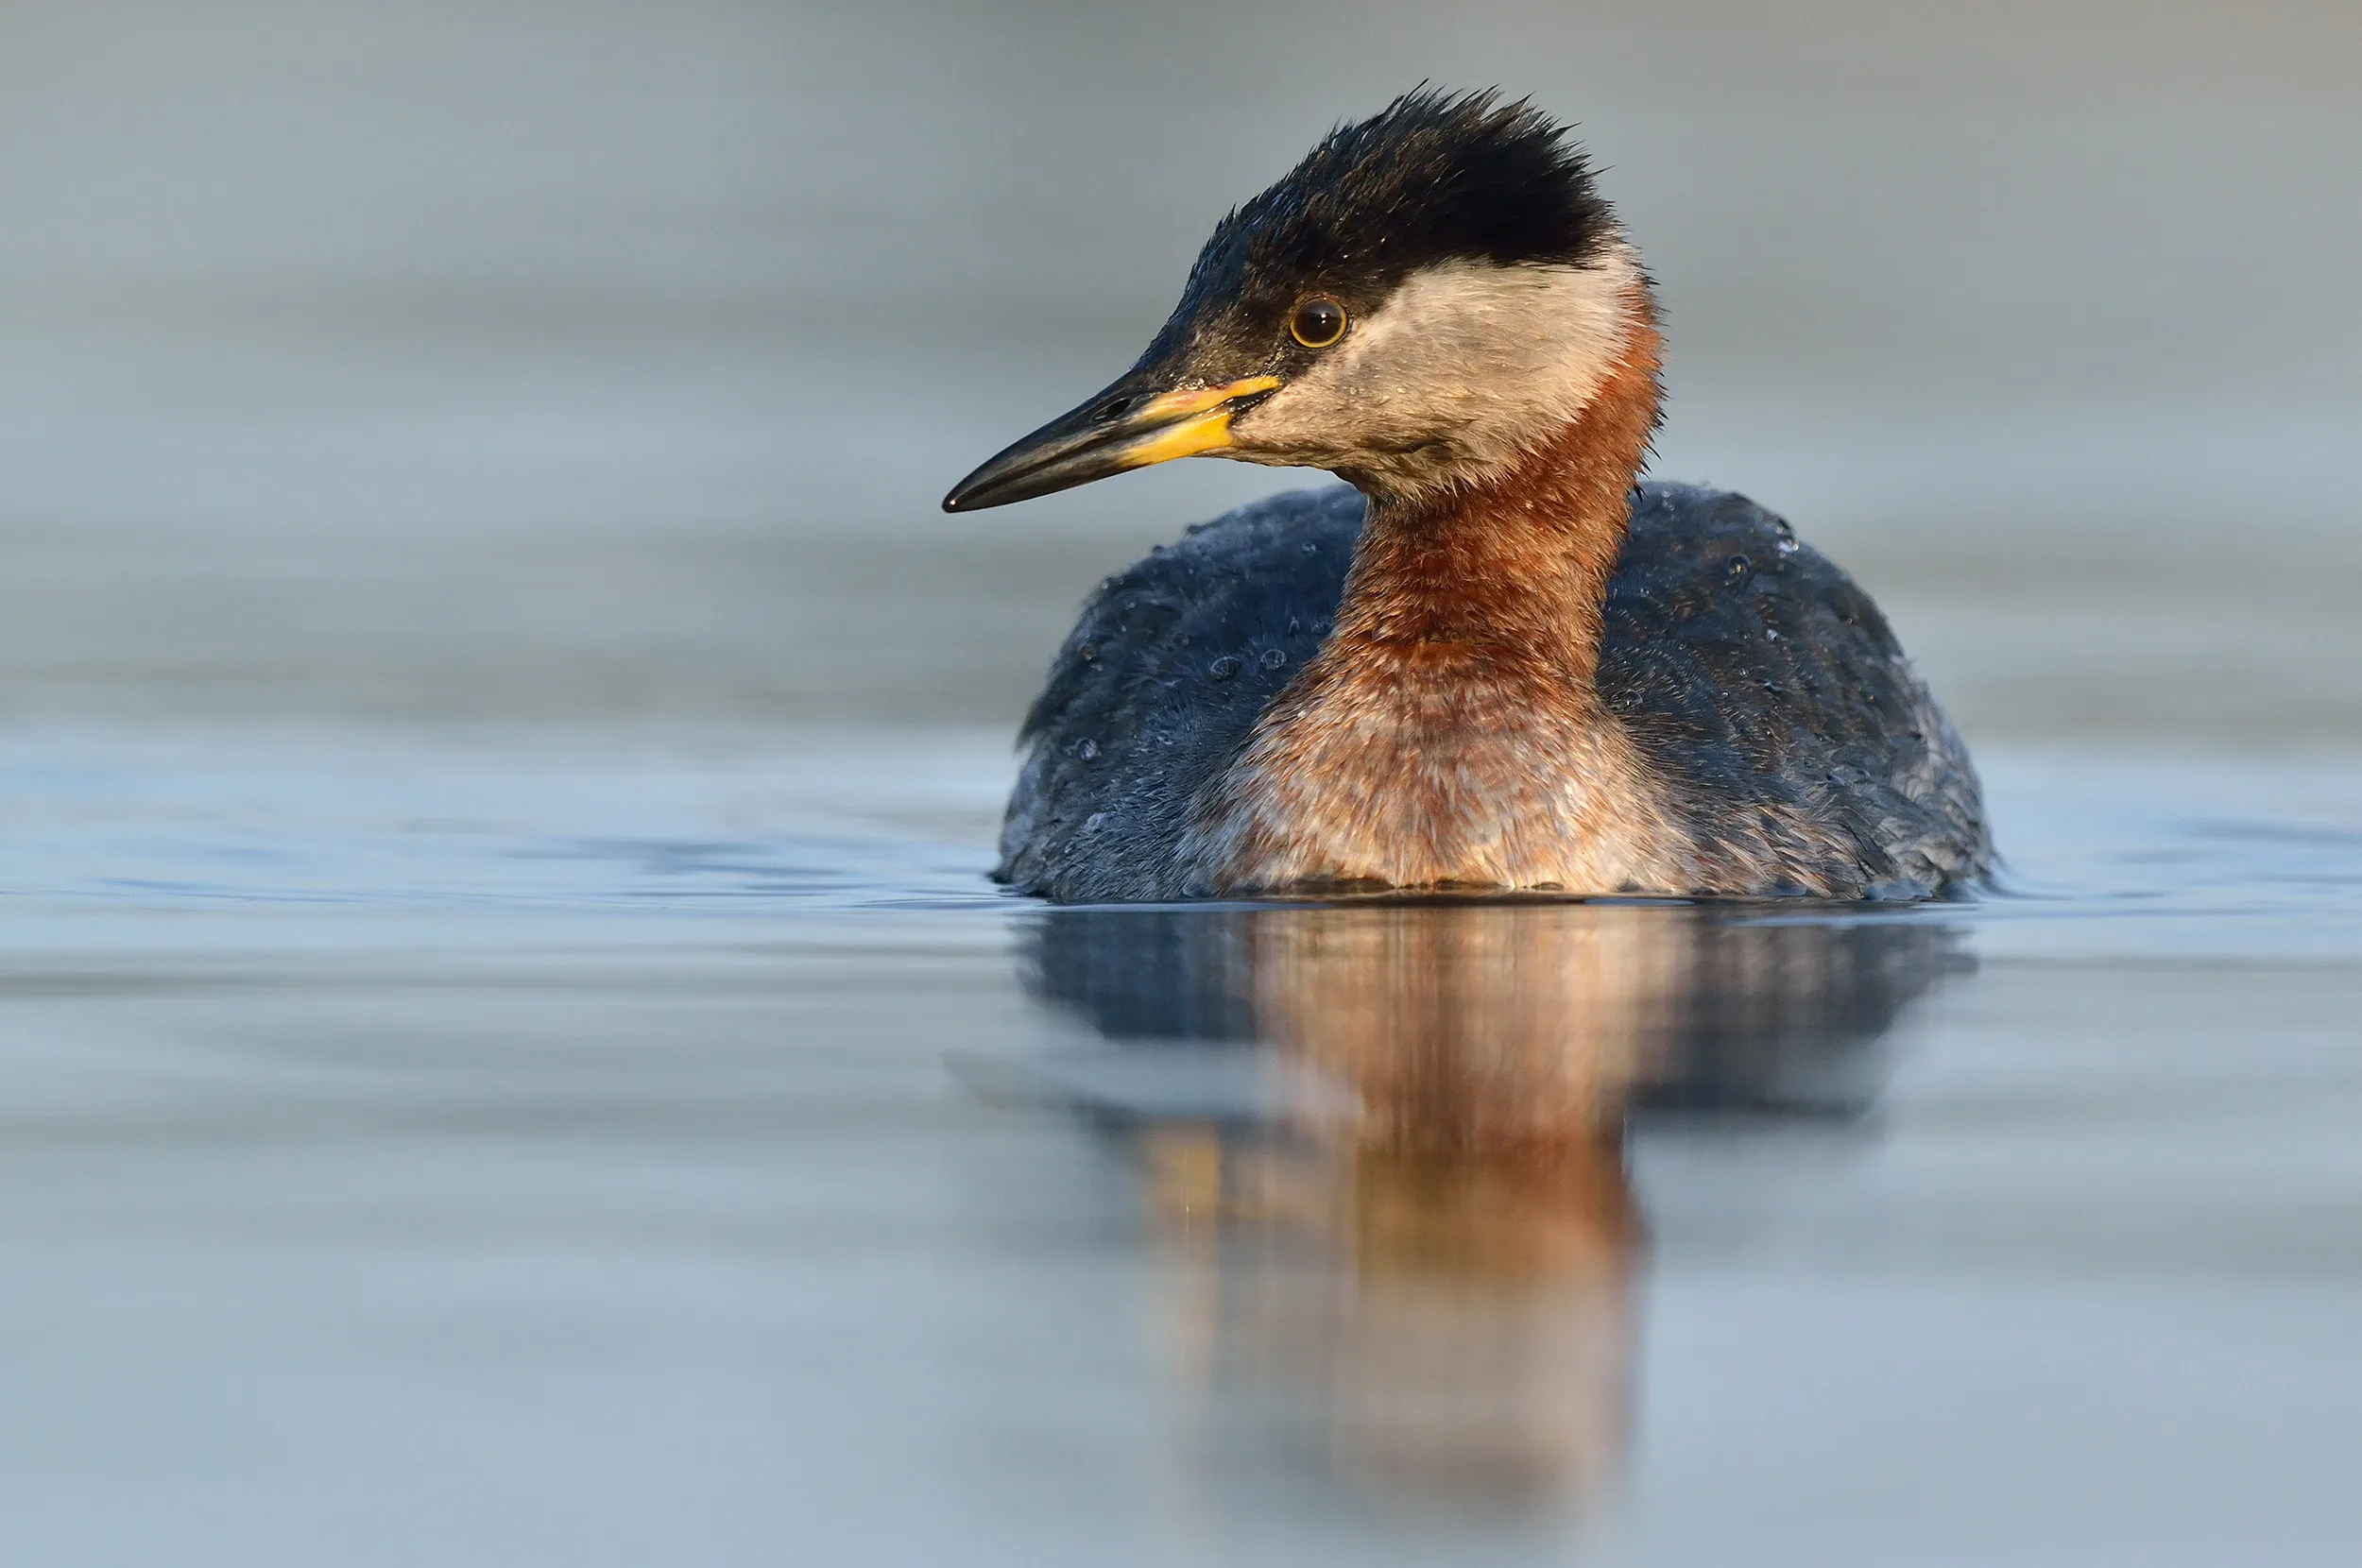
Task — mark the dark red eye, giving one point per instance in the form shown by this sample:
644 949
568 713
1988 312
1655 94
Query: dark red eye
1317 323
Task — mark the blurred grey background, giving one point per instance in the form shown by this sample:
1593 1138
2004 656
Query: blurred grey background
509 363
472 1037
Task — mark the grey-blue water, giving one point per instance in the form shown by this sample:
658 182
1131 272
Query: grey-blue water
507 1054
441 1154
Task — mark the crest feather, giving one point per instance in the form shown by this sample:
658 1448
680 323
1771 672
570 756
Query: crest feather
1434 177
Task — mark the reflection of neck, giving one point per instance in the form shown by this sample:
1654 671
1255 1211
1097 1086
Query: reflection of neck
1450 730
1548 1208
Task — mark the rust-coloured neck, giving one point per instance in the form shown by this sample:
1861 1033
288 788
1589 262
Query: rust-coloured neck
1511 569
1450 732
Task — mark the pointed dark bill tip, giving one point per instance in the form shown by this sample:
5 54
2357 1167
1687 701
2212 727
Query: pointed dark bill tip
1115 432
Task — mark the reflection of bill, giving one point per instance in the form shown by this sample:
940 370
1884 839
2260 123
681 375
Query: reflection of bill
1383 1146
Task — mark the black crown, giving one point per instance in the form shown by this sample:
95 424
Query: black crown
1432 178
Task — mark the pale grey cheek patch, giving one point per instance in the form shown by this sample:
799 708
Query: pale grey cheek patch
1465 366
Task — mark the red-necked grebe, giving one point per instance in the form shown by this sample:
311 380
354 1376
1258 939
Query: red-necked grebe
1496 660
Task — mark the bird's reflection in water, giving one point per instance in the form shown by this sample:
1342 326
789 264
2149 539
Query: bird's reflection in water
1384 1149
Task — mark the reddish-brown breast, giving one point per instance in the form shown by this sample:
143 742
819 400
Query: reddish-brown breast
1451 731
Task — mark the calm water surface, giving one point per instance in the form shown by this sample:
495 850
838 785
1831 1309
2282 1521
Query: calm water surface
465 1151
506 1052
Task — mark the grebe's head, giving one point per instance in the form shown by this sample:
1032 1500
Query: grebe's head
1429 294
